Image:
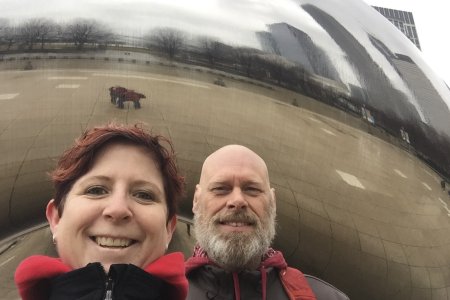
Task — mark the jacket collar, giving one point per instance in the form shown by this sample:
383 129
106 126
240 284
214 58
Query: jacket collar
272 258
33 275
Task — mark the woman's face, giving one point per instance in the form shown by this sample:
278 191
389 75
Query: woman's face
115 213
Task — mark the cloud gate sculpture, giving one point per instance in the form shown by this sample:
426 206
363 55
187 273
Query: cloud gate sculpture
353 124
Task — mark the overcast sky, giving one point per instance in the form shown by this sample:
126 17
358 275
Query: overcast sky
432 20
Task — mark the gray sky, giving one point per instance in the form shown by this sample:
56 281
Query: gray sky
432 24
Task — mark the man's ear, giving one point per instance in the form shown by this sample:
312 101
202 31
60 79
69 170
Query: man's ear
195 200
274 198
52 215
171 225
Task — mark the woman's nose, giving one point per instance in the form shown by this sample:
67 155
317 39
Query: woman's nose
117 207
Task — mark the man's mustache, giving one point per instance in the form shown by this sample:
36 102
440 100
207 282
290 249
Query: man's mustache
237 217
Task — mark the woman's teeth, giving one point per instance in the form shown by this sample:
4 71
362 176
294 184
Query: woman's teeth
112 242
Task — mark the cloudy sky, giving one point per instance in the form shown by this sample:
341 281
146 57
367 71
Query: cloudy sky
433 22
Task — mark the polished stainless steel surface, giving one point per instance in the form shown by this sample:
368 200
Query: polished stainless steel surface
354 126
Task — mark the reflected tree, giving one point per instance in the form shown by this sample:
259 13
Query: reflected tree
8 33
83 31
36 30
246 58
211 48
168 40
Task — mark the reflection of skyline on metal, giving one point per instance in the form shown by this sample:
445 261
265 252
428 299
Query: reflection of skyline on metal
354 127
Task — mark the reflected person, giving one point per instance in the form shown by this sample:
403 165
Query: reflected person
234 213
112 218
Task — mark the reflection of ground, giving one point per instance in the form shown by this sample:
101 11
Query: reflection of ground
352 208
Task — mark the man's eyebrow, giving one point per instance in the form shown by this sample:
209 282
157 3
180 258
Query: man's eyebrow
218 182
253 182
245 182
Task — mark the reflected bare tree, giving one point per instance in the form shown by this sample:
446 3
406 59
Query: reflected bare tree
245 56
48 31
4 23
36 30
168 40
211 48
83 31
8 33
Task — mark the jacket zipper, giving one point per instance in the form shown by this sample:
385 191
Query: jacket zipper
109 288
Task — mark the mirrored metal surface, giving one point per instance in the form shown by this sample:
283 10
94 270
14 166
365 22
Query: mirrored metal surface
353 124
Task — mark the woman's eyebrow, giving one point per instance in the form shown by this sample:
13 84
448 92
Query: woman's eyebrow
94 177
147 183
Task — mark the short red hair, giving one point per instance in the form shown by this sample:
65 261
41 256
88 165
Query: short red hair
78 160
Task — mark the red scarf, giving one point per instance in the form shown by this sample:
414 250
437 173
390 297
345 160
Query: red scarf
33 275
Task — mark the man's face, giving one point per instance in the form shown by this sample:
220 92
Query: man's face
234 209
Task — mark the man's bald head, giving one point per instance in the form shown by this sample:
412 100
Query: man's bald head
233 156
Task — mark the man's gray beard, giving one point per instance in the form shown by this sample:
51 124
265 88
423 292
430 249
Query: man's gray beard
235 251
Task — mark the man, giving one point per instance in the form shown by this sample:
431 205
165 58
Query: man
234 213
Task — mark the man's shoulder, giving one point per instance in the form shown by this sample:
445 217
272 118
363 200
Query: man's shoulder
324 290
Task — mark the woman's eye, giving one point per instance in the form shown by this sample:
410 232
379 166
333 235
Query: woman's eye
96 190
143 195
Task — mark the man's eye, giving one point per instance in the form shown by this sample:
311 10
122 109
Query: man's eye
253 190
219 189
96 190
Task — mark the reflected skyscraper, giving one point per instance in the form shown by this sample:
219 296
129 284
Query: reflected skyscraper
297 46
403 20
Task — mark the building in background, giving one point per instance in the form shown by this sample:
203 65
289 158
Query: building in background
403 20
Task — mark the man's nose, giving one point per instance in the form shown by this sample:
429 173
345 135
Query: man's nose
118 207
236 200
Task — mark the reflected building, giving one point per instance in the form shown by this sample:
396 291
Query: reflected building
297 46
434 109
381 92
403 20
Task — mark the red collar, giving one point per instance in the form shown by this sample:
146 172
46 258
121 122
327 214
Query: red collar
33 275
271 258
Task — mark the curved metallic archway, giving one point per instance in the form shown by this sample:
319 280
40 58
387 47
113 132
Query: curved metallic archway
354 126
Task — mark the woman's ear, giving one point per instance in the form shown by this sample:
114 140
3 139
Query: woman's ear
171 225
52 215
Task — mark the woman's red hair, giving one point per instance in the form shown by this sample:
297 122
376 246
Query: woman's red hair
78 160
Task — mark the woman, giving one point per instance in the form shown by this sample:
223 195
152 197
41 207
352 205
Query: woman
112 218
